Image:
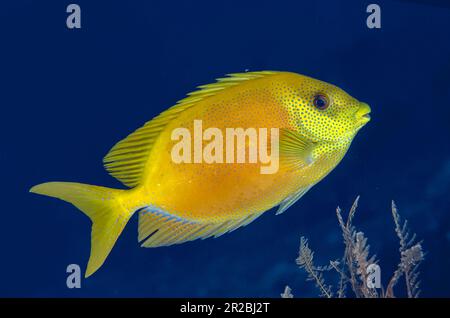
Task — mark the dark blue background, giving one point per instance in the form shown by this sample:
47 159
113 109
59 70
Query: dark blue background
67 96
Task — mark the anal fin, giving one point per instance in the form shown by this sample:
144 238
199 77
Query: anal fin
159 228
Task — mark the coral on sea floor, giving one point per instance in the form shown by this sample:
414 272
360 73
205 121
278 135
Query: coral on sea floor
357 268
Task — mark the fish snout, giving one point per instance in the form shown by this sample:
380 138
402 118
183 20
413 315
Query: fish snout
363 113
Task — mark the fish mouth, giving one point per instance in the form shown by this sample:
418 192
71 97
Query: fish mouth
366 116
363 114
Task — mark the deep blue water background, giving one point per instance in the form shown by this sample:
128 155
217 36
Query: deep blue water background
67 96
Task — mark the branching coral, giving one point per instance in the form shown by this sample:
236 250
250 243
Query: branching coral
356 267
411 255
287 293
305 261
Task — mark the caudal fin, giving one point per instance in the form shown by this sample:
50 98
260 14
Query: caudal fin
102 206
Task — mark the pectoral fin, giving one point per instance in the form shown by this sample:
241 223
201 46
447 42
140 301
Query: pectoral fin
295 153
295 150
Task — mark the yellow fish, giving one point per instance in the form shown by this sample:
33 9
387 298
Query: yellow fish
183 201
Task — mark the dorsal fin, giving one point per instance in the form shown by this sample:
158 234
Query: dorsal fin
127 159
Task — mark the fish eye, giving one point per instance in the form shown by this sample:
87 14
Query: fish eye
321 101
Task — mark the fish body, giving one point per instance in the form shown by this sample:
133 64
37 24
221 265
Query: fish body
315 123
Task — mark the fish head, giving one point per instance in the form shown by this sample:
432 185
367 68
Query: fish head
326 113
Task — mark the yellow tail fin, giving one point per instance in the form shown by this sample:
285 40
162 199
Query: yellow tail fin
102 206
